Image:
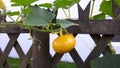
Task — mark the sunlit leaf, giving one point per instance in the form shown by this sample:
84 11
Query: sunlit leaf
65 3
65 24
39 17
47 5
22 2
13 13
100 16
106 8
27 10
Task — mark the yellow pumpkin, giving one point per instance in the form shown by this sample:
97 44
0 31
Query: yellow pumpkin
2 5
64 43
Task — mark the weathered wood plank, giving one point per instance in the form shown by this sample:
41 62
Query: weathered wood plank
85 27
41 55
13 29
96 27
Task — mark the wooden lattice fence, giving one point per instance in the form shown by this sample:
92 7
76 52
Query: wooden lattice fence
39 51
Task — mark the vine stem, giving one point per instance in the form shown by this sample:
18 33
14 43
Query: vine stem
11 18
65 13
69 13
61 34
91 12
19 16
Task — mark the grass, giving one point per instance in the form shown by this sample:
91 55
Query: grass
15 63
66 65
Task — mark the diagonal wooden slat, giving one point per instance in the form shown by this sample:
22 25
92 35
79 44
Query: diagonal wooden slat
100 47
80 12
24 58
6 65
116 9
13 38
19 50
87 11
83 14
75 56
25 62
96 39
0 58
56 58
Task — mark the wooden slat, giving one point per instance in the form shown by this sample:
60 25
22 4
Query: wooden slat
24 58
25 62
0 58
116 38
56 58
85 26
96 27
116 9
96 39
75 56
41 55
13 29
100 47
83 14
19 50
13 38
6 65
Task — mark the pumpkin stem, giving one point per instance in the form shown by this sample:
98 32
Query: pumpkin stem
61 33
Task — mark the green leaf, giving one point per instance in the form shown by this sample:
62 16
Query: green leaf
13 13
117 2
27 10
108 61
47 5
106 8
100 16
22 2
38 17
65 24
65 3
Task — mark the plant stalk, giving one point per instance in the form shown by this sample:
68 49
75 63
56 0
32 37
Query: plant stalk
91 12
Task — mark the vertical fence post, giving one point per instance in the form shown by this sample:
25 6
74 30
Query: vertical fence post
41 55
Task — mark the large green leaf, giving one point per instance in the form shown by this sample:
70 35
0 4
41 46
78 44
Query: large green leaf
65 24
22 2
65 3
38 17
117 2
100 16
106 8
108 61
